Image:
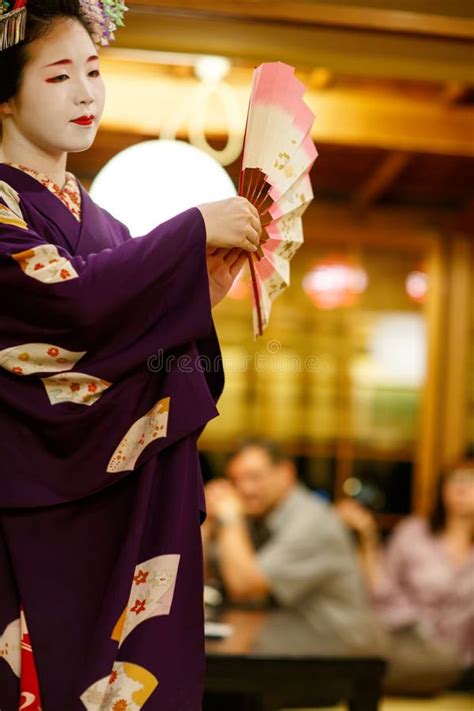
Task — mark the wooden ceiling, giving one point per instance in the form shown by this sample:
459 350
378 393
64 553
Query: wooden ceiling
391 83
412 39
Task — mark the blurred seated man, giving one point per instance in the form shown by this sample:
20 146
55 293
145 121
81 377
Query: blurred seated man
422 585
272 540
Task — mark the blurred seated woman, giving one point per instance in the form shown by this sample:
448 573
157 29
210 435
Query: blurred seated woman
422 586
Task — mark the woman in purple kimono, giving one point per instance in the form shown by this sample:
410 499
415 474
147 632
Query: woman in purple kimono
109 370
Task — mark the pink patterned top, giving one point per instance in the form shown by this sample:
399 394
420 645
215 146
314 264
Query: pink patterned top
423 586
69 195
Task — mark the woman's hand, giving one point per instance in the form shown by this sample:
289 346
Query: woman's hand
232 223
223 265
360 520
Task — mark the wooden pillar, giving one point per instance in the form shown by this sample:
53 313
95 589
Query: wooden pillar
455 381
429 452
443 429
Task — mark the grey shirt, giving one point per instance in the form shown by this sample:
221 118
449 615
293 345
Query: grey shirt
310 563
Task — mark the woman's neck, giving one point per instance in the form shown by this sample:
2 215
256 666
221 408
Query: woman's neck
459 526
457 539
23 153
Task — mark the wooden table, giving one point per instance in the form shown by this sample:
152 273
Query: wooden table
273 672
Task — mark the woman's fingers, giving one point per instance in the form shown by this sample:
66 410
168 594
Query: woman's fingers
254 211
238 264
219 252
247 245
222 252
252 235
237 255
256 224
232 254
231 223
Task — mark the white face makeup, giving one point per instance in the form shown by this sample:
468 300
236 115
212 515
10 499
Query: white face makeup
61 98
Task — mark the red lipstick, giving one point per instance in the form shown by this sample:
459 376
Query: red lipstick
84 120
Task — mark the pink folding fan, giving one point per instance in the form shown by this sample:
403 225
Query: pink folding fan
277 158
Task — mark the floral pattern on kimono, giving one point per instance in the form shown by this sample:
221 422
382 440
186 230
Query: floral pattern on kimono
126 300
45 264
127 688
17 652
10 212
29 358
144 431
10 645
151 594
75 387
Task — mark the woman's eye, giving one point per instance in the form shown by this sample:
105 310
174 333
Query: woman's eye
59 78
94 73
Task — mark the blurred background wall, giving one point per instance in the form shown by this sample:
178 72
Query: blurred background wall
366 373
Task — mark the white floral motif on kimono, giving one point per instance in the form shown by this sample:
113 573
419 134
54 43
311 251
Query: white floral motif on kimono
151 426
29 358
45 264
10 213
10 646
128 688
79 388
151 595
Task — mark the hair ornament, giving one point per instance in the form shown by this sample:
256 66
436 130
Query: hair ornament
12 22
103 17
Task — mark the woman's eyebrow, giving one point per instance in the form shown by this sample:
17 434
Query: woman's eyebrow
69 61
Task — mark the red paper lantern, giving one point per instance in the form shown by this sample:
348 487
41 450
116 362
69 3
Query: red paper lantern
416 286
335 282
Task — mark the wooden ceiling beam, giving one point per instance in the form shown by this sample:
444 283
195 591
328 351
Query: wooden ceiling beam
144 99
381 180
454 92
464 221
383 18
357 51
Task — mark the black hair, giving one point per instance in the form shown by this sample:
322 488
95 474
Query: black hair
437 520
271 448
41 14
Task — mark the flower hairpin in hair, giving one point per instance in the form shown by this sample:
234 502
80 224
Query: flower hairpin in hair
103 17
12 22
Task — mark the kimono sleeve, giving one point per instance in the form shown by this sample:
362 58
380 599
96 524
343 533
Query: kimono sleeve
152 289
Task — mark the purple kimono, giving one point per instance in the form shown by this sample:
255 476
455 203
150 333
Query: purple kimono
109 370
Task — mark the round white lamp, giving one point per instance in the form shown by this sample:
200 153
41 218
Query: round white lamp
152 181
398 346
